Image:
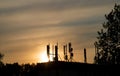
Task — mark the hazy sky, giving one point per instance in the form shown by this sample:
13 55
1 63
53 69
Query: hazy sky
27 26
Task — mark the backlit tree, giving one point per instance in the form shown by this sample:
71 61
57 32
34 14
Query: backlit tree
107 46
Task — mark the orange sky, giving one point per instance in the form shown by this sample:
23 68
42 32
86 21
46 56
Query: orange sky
27 26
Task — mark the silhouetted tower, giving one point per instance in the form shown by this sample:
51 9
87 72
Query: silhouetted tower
48 52
65 52
56 53
70 51
85 57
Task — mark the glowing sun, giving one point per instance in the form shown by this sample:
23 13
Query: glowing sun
43 57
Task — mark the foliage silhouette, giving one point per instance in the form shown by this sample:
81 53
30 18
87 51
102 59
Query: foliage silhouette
1 57
108 44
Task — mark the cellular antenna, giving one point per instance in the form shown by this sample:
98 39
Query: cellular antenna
56 52
70 51
48 52
85 57
65 53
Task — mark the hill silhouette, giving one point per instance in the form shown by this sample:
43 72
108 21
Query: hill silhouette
59 68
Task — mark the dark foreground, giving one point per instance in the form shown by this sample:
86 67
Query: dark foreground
59 69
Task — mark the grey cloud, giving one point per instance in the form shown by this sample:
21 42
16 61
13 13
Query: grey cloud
55 5
18 28
89 21
14 27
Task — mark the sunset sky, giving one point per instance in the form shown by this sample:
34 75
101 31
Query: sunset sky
27 26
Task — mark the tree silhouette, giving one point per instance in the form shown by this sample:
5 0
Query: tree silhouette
1 57
108 45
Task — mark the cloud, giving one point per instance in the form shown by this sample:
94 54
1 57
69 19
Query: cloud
32 20
49 5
